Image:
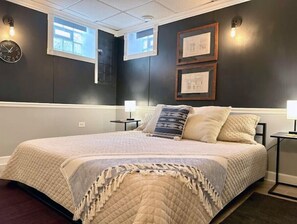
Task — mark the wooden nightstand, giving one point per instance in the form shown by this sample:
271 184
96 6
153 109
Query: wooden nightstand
280 136
126 122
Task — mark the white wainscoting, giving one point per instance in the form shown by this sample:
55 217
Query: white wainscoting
24 121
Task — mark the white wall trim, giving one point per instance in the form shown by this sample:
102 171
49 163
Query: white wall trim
212 6
273 111
55 105
209 7
48 10
278 111
270 176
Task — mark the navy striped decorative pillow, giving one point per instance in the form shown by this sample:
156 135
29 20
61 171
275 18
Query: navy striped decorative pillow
171 122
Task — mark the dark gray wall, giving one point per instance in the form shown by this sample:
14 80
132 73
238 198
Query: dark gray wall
258 69
39 77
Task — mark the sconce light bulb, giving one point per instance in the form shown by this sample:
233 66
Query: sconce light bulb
11 31
233 32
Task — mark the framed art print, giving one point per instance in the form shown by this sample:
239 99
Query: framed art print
198 45
196 82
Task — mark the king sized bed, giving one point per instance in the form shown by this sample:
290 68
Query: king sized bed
129 177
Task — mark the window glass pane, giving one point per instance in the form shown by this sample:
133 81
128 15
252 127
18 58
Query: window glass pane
74 39
58 44
67 46
141 43
138 42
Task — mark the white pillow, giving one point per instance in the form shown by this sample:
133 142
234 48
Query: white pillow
151 125
240 128
147 117
205 124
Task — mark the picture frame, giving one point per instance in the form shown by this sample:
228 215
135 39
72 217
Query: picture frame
196 82
198 44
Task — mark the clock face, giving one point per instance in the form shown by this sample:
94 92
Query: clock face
10 51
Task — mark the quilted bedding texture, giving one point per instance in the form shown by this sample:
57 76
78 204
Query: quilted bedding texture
140 199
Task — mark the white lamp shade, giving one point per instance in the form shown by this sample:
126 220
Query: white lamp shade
292 109
130 105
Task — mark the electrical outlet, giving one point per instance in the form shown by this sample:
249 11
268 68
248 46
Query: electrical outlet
81 124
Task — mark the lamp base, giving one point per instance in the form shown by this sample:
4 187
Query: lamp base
293 132
132 119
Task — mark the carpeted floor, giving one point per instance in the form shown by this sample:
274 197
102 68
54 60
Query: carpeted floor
259 208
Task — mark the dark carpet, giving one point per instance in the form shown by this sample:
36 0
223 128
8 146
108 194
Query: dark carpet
259 208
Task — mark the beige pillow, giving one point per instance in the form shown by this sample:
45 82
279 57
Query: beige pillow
205 124
151 125
240 128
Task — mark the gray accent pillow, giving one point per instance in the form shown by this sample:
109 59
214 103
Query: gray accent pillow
171 122
151 125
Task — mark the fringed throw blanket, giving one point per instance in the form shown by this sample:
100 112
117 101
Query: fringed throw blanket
93 179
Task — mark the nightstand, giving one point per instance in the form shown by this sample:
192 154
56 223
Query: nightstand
126 122
280 136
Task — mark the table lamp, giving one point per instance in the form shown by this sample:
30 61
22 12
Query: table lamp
292 113
130 106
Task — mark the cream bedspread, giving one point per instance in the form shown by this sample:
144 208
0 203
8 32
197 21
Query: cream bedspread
140 199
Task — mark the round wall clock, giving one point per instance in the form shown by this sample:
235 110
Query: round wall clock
10 51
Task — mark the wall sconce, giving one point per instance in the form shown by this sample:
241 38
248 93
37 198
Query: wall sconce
236 22
130 106
8 20
292 113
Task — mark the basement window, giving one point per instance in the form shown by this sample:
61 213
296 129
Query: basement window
71 40
141 43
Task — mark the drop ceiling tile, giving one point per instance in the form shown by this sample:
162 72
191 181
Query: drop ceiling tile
184 5
155 9
78 15
94 9
57 4
124 5
121 21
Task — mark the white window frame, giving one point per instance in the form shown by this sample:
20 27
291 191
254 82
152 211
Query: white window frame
51 51
144 54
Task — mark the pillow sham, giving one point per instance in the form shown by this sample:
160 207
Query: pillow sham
205 124
171 122
240 128
151 125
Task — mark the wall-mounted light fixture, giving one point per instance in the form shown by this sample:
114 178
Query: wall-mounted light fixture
236 22
8 20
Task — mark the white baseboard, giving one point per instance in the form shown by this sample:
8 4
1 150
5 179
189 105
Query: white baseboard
270 176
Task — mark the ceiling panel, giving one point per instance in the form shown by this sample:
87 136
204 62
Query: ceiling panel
155 9
121 21
124 5
184 5
58 4
94 9
124 14
78 15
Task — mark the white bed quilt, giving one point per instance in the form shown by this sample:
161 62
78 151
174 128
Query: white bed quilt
140 198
